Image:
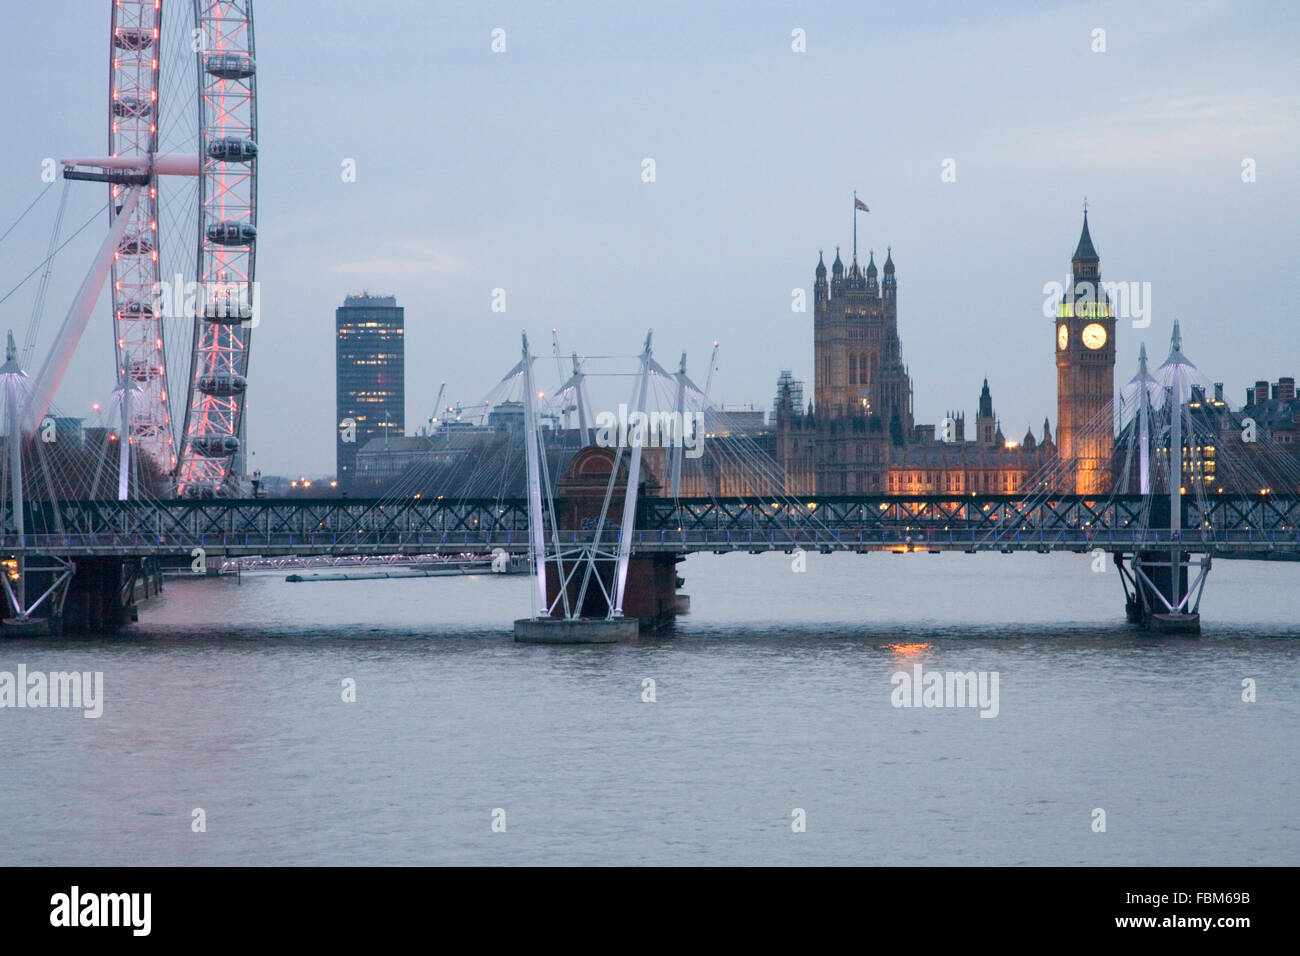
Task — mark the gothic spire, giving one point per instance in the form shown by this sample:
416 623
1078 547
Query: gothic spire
1085 252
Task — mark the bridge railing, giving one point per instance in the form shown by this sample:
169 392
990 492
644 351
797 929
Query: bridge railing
990 513
648 540
326 526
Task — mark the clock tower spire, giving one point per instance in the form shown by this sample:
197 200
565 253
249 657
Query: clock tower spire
1085 374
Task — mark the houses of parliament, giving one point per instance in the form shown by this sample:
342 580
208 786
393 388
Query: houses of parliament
858 435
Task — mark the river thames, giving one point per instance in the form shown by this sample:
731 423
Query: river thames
773 735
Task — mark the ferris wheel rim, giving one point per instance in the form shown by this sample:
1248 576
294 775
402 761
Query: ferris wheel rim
211 442
135 34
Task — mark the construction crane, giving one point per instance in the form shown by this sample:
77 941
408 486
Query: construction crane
559 367
437 402
459 410
555 344
713 364
710 413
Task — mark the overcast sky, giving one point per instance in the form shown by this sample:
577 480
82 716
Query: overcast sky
522 170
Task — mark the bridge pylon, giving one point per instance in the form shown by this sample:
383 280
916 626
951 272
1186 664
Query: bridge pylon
1158 588
21 576
581 583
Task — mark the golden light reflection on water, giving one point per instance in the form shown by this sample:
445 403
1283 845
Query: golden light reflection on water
908 650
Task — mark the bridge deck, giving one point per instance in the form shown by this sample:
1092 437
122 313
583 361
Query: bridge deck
237 527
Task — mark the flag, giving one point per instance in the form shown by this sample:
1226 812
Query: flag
859 204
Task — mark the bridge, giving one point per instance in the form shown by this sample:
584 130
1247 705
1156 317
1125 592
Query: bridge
603 539
308 527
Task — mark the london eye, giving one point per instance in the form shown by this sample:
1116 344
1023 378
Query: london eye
182 174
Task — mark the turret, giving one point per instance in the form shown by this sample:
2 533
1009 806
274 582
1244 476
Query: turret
820 289
855 280
985 423
837 274
872 286
889 285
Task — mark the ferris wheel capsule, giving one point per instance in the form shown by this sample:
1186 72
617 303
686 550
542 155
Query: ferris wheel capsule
133 38
232 149
230 66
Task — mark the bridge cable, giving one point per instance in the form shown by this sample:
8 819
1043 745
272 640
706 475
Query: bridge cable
22 215
40 265
42 288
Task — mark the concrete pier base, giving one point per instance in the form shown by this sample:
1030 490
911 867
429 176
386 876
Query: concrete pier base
30 626
530 630
1176 623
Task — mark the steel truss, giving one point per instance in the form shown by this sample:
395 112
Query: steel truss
1144 596
1253 524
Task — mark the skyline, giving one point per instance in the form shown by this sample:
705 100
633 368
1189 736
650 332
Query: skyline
840 435
756 163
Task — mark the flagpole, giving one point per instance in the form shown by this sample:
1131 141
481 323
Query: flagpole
855 224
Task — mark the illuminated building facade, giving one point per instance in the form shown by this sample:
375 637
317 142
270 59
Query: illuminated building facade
858 436
1085 373
370 383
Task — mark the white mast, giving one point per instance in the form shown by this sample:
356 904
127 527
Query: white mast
12 372
636 440
1144 424
536 533
679 445
124 443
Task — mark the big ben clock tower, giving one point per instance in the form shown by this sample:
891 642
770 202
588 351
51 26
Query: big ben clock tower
1085 375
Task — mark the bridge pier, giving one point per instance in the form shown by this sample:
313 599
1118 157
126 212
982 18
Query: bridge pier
585 498
94 594
1157 591
102 594
35 589
650 596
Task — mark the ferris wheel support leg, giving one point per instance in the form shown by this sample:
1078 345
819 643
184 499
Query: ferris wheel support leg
74 323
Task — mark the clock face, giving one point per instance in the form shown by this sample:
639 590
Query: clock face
1094 336
1062 337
